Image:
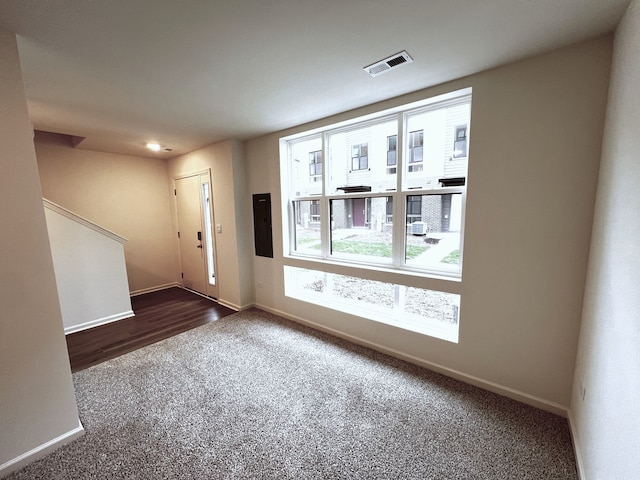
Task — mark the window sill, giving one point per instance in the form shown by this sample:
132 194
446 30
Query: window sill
440 281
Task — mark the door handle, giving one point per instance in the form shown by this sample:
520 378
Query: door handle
199 246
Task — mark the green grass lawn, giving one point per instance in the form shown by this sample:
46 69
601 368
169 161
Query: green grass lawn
302 241
377 249
453 258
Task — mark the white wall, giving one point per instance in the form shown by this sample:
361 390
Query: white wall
244 222
231 211
607 423
122 193
90 271
535 143
37 403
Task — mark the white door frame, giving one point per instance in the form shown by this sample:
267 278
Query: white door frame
212 290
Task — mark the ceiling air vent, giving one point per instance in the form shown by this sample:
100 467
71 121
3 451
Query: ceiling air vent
388 63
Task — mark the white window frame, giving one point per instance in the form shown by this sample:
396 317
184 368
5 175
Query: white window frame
399 194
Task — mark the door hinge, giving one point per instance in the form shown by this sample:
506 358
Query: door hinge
178 234
174 192
182 275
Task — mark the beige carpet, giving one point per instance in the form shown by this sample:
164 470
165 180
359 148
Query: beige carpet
256 396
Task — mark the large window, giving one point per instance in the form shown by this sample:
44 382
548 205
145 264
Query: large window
385 197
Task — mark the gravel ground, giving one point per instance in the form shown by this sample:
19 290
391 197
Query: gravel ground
439 306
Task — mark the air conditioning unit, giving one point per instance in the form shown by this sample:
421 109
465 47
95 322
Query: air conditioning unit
419 228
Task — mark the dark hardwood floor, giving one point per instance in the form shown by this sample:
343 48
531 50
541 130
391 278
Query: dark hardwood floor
158 315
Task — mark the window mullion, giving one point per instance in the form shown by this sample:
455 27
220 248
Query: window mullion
325 214
290 208
398 237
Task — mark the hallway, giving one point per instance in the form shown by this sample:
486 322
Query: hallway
158 315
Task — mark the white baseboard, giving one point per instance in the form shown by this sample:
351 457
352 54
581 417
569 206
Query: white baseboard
576 446
233 306
40 451
508 392
157 288
99 321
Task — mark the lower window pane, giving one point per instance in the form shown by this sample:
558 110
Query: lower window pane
361 229
307 215
433 226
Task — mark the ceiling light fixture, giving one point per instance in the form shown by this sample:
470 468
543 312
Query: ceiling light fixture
154 146
388 63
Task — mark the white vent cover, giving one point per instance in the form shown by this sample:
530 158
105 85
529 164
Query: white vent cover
388 63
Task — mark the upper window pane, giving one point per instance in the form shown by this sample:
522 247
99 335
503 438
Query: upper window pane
307 222
384 192
436 145
360 158
306 167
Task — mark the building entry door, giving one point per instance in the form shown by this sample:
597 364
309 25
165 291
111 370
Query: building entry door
195 233
358 212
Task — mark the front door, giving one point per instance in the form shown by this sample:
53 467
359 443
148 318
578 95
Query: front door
197 252
358 207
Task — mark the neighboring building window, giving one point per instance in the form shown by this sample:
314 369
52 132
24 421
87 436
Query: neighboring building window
314 211
360 157
389 210
392 153
460 143
414 208
315 165
416 146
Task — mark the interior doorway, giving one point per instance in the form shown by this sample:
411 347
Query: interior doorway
194 207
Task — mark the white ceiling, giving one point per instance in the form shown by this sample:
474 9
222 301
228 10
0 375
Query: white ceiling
188 73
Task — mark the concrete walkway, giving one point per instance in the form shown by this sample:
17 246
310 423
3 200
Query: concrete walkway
447 244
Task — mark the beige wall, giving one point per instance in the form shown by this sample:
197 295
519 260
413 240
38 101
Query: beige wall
535 143
37 403
230 209
125 194
607 422
244 221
